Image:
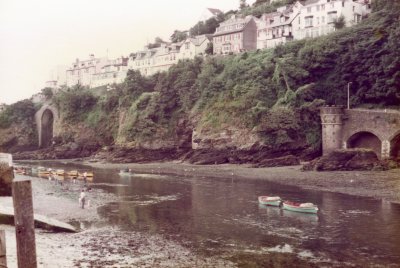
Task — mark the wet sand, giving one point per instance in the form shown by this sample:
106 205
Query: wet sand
97 244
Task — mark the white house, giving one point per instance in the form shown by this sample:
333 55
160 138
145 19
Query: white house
276 28
81 71
317 17
306 19
152 60
112 73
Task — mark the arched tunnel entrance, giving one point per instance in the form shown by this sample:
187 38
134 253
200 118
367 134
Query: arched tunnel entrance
365 140
46 128
395 147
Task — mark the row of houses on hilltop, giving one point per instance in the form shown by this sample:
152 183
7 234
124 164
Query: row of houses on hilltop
303 19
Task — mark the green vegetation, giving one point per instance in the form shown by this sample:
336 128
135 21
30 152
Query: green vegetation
274 92
22 112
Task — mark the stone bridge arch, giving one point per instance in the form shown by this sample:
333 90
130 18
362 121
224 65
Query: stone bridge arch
47 123
395 145
348 128
364 139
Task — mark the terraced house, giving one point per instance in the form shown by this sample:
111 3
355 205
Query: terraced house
235 35
152 60
81 71
320 17
113 72
307 19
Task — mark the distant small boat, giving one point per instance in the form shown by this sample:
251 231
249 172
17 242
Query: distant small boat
60 172
270 200
43 171
72 173
125 172
89 174
21 171
300 207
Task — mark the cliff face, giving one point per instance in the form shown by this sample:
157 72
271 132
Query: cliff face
243 108
18 137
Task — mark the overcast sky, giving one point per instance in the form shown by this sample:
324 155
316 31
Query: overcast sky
36 36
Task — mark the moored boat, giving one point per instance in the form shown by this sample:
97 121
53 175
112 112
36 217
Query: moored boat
125 172
60 172
72 173
20 170
300 207
270 200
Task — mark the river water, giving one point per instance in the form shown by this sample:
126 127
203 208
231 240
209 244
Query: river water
220 216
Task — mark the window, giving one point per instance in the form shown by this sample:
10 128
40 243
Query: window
332 16
299 21
323 19
323 7
309 9
309 21
318 8
187 46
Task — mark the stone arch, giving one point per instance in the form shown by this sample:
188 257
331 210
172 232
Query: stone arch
46 128
395 145
365 139
46 122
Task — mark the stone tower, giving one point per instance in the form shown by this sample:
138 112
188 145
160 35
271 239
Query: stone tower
331 118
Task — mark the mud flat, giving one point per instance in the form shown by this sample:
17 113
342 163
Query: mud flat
97 244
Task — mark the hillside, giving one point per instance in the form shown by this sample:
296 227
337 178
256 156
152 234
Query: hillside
237 109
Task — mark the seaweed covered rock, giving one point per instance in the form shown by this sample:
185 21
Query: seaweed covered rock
346 159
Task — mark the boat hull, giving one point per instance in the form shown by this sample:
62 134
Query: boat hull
312 210
263 201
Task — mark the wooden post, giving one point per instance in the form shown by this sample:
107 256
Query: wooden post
3 253
24 224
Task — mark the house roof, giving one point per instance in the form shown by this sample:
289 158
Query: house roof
310 2
214 11
234 20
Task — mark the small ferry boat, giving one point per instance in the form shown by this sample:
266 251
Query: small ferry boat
300 207
270 200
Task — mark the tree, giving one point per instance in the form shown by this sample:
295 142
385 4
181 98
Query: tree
210 49
47 92
339 23
242 4
157 42
178 36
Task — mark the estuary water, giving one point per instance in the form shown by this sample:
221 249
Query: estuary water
222 217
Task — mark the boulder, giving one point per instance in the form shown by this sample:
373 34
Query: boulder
345 159
288 160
